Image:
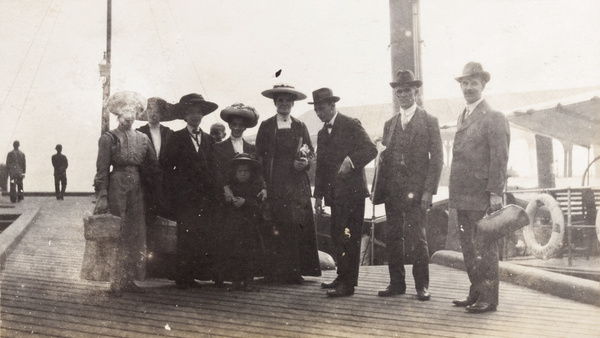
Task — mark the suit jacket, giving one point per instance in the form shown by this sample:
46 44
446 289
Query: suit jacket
165 134
347 138
419 147
192 174
15 163
479 158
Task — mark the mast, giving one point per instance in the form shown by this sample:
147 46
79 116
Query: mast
105 70
405 41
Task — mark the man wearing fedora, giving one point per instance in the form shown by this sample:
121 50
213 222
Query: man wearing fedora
194 183
343 150
413 161
477 181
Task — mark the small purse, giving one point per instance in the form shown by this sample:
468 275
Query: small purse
101 227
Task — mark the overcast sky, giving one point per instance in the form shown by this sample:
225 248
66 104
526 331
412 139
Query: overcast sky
229 51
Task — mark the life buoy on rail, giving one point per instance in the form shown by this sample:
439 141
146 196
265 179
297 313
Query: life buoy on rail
598 225
558 227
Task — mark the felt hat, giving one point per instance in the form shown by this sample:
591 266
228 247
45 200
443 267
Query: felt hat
194 99
283 88
121 99
166 110
244 158
405 78
323 94
247 113
474 69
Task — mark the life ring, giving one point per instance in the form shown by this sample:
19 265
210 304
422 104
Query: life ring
558 227
598 225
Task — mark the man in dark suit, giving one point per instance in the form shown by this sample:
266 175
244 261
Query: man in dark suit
194 182
60 164
413 163
343 150
16 166
477 181
156 112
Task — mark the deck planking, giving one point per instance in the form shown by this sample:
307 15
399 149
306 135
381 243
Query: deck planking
42 295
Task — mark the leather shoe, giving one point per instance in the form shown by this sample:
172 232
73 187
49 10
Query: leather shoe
341 291
131 287
481 307
391 291
463 302
423 295
331 285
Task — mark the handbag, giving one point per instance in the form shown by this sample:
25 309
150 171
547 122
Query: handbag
101 227
502 222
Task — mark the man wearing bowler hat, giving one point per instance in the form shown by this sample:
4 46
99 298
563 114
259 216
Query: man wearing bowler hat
477 181
408 178
343 150
190 166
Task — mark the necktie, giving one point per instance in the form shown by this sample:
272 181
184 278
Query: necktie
404 121
328 126
467 112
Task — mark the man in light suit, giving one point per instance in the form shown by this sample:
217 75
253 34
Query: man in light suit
413 163
477 181
194 183
343 150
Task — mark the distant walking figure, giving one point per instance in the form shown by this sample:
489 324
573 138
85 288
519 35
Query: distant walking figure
15 163
60 164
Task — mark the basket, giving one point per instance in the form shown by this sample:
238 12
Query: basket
101 227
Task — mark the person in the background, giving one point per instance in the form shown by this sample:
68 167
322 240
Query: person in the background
284 145
156 112
120 193
60 164
477 181
414 160
217 130
343 150
195 190
16 166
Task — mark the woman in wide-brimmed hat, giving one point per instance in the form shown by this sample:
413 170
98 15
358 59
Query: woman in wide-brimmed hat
120 193
195 186
285 147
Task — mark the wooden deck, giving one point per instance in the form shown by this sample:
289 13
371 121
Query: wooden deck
42 295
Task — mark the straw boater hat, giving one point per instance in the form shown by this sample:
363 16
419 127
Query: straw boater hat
247 113
406 78
323 94
474 69
193 100
283 89
166 110
245 159
119 100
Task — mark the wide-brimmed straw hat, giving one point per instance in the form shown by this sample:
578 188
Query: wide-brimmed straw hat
244 158
247 113
167 110
194 99
474 69
406 78
283 88
323 94
121 99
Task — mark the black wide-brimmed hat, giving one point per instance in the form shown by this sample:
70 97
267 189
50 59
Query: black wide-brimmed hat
323 94
247 113
167 110
121 99
194 99
406 78
474 69
244 158
283 88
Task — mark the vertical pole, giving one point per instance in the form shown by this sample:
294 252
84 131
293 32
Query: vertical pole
405 41
569 228
106 85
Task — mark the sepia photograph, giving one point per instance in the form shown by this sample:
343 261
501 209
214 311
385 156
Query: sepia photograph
287 168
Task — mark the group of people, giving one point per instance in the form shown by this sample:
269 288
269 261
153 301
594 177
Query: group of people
245 210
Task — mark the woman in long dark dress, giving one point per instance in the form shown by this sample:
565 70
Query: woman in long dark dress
280 142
